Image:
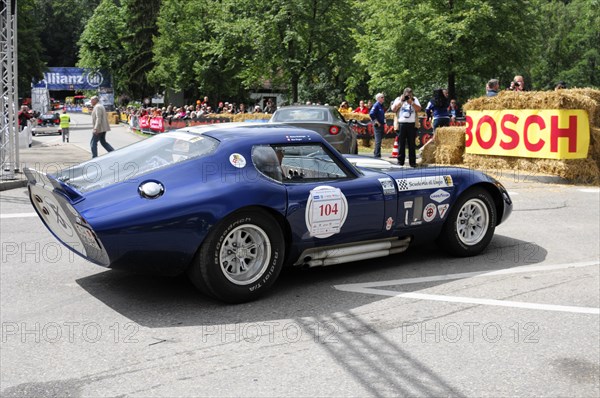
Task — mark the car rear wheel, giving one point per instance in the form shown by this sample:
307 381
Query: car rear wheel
470 225
241 258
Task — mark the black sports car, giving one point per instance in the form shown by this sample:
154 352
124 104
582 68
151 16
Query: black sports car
47 123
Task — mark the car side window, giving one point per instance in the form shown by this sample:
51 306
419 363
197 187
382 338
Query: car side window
267 161
337 115
308 163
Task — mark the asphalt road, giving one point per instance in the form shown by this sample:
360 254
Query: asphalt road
522 319
81 135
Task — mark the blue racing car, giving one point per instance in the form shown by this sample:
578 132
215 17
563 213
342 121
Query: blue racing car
232 204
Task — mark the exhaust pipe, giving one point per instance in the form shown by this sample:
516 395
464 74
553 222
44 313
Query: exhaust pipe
343 254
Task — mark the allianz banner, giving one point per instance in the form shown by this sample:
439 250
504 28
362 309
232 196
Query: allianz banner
529 133
64 78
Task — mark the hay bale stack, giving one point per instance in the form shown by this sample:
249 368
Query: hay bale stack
449 154
428 152
242 117
585 171
447 146
595 144
453 136
361 117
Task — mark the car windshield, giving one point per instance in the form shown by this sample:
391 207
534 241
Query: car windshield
301 115
128 163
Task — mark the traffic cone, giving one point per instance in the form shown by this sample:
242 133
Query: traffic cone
395 150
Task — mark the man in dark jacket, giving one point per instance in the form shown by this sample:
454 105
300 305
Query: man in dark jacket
377 115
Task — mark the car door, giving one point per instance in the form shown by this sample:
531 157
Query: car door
328 203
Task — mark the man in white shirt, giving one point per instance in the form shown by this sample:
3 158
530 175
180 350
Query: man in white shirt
406 108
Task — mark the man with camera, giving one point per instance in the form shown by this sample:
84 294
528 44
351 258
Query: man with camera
406 108
518 84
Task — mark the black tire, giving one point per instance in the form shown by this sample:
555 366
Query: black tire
470 225
218 269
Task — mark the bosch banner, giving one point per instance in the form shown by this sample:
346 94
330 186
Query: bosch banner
529 133
64 78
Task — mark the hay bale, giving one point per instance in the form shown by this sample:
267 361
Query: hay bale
595 135
449 154
361 117
428 152
587 99
453 136
584 171
487 162
242 117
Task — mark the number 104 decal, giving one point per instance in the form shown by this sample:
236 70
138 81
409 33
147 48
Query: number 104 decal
326 211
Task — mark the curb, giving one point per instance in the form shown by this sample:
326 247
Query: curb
13 184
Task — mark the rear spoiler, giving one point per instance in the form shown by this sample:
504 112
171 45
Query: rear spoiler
53 201
50 183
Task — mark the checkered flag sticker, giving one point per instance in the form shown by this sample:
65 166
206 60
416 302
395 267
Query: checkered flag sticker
402 184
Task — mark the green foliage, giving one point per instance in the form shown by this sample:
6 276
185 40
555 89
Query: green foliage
299 40
64 22
571 50
139 19
100 45
29 47
317 50
434 43
204 58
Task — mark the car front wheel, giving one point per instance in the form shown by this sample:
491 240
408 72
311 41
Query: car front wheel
241 258
470 225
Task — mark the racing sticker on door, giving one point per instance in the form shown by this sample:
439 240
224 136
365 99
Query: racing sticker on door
429 212
426 182
326 211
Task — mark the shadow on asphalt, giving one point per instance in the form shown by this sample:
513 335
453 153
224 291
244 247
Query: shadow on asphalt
158 301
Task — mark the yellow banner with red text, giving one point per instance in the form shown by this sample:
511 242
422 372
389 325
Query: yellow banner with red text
529 133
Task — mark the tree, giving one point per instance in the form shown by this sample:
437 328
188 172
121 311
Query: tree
298 40
139 18
63 22
29 47
205 58
100 42
441 43
569 48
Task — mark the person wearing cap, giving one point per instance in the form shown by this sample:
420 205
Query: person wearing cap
100 126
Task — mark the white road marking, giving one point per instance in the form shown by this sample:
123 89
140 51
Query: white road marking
590 190
512 193
18 215
370 288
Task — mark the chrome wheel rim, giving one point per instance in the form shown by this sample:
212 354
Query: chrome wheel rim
472 222
245 254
